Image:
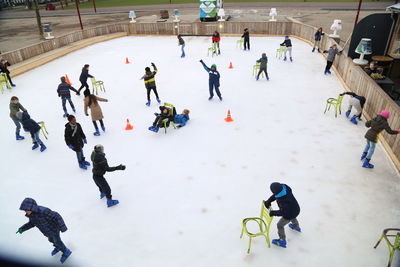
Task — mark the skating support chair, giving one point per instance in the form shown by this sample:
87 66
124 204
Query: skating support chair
336 102
280 51
4 82
392 247
240 43
256 69
170 120
97 85
43 129
264 223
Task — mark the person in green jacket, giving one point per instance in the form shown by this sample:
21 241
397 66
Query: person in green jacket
263 66
15 106
376 125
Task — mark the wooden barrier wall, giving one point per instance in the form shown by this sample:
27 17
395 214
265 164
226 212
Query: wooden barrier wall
352 76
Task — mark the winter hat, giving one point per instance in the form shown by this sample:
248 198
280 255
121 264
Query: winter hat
19 115
385 114
99 148
286 37
213 65
86 92
276 188
147 69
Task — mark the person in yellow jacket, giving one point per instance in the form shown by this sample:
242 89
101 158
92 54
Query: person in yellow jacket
150 83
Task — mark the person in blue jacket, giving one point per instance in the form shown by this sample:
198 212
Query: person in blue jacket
289 209
33 127
83 78
213 81
63 91
181 119
49 222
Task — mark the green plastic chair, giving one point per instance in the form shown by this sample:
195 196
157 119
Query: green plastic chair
170 120
240 43
256 69
4 82
212 49
264 223
280 51
336 102
97 85
43 129
392 247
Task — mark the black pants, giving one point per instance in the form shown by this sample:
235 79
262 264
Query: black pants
9 78
262 70
101 124
57 242
83 84
246 44
103 186
159 121
328 65
149 90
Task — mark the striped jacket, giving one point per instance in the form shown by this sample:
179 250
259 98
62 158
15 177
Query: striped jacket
49 222
149 80
63 90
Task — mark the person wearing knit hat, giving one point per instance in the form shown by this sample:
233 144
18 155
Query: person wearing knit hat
289 209
150 83
213 80
376 125
75 139
33 127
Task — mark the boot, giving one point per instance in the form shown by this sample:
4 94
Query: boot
82 166
284 59
86 163
42 147
353 119
103 128
210 98
267 78
102 195
220 98
35 145
279 242
148 103
291 59
65 256
55 251
366 164
298 229
74 110
13 85
111 202
158 100
364 155
18 137
96 133
329 72
348 113
313 50
65 114
325 72
257 78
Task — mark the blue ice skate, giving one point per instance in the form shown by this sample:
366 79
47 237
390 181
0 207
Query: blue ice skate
55 251
18 137
267 78
35 145
220 98
210 98
42 147
103 128
148 103
102 195
13 85
354 119
284 59
65 256
65 114
364 155
291 59
86 163
368 165
96 133
279 242
82 166
158 100
348 113
298 229
111 202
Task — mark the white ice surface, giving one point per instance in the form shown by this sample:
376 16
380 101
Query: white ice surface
184 193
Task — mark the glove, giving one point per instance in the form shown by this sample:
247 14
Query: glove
87 114
272 213
19 231
201 60
121 167
71 147
77 93
347 113
85 141
267 204
153 64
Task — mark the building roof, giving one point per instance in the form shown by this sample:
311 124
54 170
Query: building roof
394 8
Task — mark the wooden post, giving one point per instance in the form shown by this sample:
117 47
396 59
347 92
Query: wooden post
38 18
79 13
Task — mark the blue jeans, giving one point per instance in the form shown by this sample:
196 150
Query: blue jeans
36 139
183 51
369 149
18 125
64 100
57 243
80 156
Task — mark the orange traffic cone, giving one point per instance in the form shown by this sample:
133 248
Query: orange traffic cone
230 66
128 125
127 61
228 117
67 79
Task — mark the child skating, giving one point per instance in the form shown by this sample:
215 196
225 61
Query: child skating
15 106
332 52
91 101
288 44
4 64
150 83
357 102
216 38
33 128
63 91
83 78
49 222
213 81
100 167
75 139
317 40
289 209
376 125
181 43
263 66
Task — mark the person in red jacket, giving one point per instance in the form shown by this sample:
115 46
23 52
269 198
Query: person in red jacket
216 39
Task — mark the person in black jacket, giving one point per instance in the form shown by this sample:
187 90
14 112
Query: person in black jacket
317 39
4 64
75 140
246 36
100 167
289 209
288 44
33 128
83 78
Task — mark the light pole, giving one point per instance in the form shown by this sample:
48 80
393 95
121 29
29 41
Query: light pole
79 14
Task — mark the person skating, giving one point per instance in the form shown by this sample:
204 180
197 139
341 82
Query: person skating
246 37
213 81
91 101
100 167
357 102
63 91
288 43
332 52
4 64
83 78
150 83
33 128
181 42
181 119
263 66
49 222
15 106
317 39
216 38
161 117
376 125
289 209
75 139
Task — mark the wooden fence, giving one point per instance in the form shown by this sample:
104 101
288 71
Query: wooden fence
352 76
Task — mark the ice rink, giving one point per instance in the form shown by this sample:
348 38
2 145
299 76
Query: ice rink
184 194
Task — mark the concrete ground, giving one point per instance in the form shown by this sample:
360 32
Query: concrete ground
19 28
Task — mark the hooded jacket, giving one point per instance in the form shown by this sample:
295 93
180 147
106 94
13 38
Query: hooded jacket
84 75
288 206
47 221
14 108
213 74
263 62
318 35
28 124
100 164
287 43
181 119
377 125
73 137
